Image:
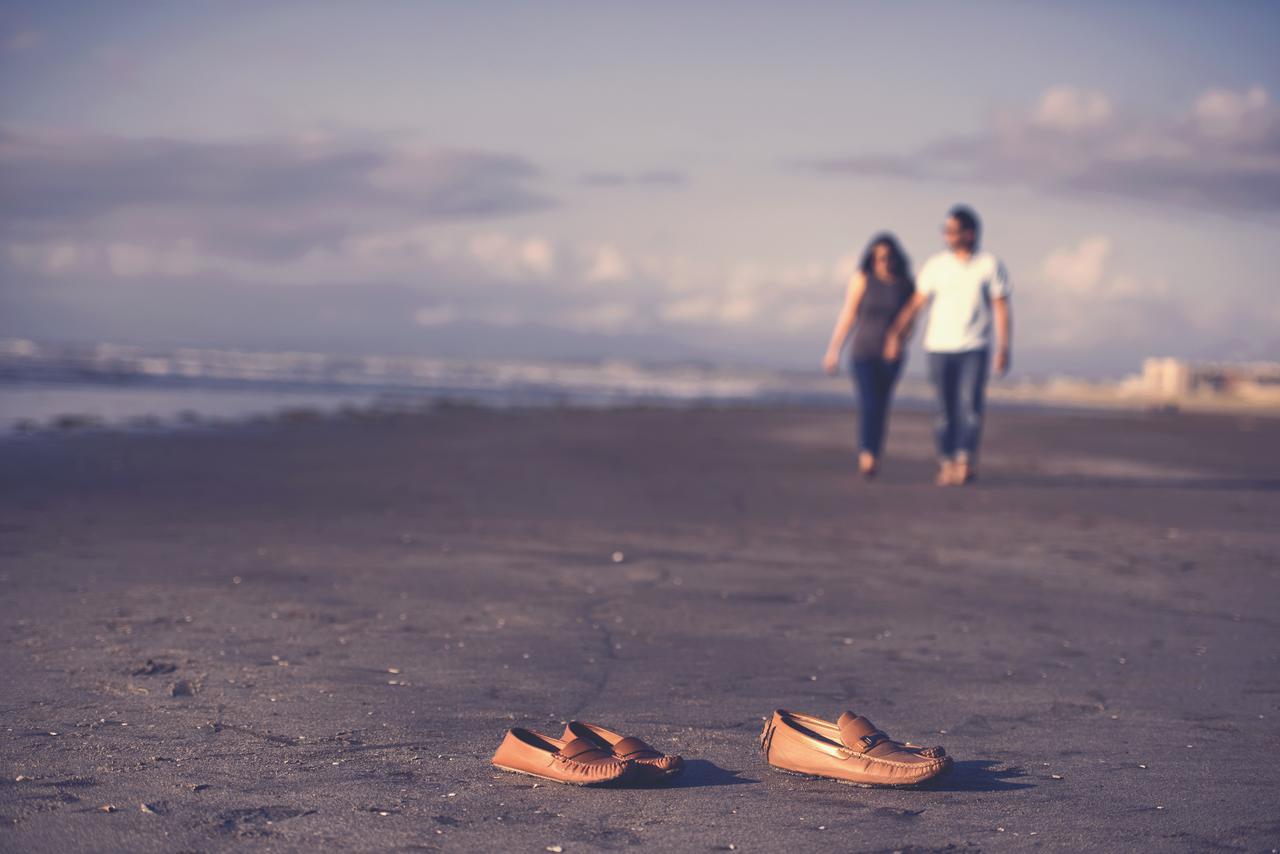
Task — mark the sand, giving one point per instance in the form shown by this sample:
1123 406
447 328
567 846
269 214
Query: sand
313 634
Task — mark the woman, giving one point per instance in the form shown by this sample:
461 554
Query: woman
877 291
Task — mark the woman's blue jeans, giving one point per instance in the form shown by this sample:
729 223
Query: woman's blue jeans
960 383
875 380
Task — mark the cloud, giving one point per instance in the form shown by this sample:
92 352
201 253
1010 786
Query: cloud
1228 114
500 256
1078 269
1222 153
799 299
20 41
650 177
281 234
1085 312
1084 272
315 226
391 281
436 315
668 177
601 288
264 198
608 265
1068 109
601 316
106 215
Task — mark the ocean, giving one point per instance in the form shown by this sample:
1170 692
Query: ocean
64 386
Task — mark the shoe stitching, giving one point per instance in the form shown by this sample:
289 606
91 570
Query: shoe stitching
607 765
846 753
766 737
853 754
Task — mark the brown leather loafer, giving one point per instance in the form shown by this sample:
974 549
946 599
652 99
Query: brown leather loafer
653 765
579 761
877 760
849 729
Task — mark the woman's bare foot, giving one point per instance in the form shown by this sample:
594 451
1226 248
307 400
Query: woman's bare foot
946 476
867 464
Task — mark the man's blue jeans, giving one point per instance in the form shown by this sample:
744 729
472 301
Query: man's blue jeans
960 383
875 378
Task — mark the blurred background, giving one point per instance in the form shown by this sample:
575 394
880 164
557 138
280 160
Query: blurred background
519 310
207 203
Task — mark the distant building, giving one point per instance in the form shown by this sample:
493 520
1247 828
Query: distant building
1257 382
1166 379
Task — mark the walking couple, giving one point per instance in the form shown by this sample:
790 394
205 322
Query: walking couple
969 292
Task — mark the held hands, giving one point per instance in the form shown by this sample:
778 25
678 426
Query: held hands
892 347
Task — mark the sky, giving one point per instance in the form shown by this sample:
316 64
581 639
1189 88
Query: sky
643 181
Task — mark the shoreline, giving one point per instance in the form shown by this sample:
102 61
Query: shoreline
311 405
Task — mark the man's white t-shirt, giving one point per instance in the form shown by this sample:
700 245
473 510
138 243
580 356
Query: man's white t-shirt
961 292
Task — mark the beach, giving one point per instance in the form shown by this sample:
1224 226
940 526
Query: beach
312 632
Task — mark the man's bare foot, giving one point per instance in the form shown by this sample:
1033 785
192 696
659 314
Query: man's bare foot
962 472
946 474
867 464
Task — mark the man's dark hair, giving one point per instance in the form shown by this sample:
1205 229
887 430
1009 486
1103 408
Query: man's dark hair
968 220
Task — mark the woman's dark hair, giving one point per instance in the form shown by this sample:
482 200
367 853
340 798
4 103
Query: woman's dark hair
968 220
899 263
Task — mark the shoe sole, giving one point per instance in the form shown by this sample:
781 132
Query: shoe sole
615 781
856 784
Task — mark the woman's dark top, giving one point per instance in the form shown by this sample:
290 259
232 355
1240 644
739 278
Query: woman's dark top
881 302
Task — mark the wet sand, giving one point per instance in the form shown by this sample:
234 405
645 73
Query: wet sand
301 635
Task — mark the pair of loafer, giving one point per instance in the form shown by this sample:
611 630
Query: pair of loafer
849 750
586 755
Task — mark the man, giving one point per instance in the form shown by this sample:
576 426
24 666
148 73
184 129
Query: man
968 289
